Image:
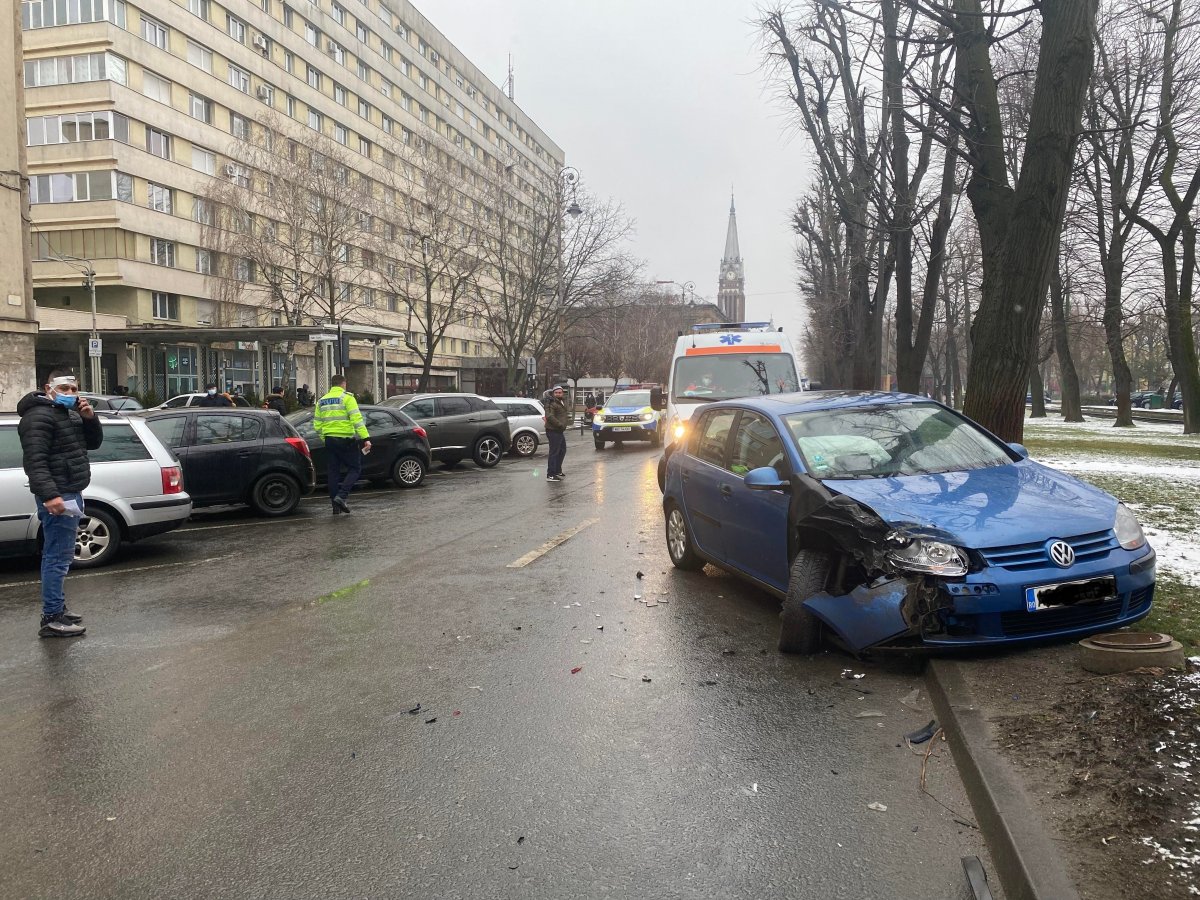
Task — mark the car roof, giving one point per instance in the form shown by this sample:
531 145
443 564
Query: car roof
514 399
219 410
806 401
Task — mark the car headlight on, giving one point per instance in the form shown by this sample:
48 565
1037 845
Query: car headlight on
930 557
679 430
1128 531
648 417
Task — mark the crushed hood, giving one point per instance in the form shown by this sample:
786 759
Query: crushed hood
1011 504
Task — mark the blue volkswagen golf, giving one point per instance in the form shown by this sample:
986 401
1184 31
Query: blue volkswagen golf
891 521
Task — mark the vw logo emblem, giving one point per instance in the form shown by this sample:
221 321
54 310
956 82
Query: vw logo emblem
1062 554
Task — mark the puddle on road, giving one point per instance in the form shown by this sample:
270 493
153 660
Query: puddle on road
343 593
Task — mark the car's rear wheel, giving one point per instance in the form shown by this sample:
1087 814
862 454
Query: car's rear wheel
679 542
409 471
799 630
97 539
275 494
487 451
599 443
525 444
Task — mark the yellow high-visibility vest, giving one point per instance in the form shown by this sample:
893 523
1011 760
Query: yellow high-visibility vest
337 415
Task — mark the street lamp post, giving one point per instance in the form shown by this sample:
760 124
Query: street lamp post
685 288
569 176
85 267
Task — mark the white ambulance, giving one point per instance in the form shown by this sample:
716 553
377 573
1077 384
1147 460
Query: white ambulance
725 361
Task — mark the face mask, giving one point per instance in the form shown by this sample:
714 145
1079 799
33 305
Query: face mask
212 393
67 400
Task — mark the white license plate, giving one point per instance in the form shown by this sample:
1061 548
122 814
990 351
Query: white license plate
1055 596
623 428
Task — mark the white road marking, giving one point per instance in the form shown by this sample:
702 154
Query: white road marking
550 545
186 530
74 577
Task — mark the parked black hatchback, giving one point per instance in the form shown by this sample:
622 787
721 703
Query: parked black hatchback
459 425
399 446
233 455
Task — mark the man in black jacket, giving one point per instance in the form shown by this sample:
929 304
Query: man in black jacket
58 428
212 398
276 402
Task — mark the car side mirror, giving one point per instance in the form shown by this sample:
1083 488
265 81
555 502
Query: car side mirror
766 478
656 399
1019 449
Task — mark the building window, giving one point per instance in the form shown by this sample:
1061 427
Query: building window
235 28
388 52
287 16
202 211
200 56
361 32
204 308
200 108
266 93
385 88
338 52
364 147
46 13
75 69
154 32
339 14
66 187
238 174
289 62
166 306
364 109
156 88
243 269
203 261
158 197
290 107
162 252
388 125
341 134
74 127
239 79
406 67
239 126
364 71
313 76
315 120
158 143
339 94
311 34
199 8
204 161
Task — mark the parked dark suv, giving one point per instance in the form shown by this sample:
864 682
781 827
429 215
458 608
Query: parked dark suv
399 446
237 456
459 425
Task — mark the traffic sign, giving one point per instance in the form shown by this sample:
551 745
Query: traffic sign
322 337
95 347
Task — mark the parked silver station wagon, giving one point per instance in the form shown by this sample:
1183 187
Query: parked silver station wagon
136 491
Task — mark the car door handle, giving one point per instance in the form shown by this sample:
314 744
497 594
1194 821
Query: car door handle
684 475
245 453
726 490
431 424
472 420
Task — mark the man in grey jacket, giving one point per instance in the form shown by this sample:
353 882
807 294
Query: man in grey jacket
558 420
58 428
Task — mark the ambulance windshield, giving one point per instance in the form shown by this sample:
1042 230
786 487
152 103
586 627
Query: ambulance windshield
725 376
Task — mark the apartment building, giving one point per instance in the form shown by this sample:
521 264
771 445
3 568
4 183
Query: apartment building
134 108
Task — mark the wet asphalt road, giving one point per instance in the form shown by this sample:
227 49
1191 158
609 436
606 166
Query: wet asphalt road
236 723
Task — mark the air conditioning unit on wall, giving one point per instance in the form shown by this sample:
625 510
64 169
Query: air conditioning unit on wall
230 169
260 42
264 92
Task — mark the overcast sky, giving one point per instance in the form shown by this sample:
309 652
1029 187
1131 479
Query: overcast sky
662 105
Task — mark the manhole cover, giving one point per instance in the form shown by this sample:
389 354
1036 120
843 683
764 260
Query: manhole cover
1132 640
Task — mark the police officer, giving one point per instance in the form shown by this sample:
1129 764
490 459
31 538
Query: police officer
339 422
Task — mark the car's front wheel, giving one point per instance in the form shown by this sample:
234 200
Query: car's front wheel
487 452
525 444
409 471
97 539
679 542
799 629
275 494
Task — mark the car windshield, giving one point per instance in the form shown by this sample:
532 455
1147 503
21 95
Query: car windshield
725 376
629 398
884 441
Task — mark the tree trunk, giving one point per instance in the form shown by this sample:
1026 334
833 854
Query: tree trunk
1019 228
1037 391
1114 283
1070 408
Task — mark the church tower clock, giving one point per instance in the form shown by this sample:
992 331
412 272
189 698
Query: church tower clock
731 284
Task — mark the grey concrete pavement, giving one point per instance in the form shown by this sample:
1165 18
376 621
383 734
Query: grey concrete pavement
236 723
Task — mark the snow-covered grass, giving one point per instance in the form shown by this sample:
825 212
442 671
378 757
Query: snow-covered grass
1155 470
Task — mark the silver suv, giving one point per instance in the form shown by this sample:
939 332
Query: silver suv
526 421
136 491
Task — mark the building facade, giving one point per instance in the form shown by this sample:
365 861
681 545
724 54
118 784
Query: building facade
135 107
731 284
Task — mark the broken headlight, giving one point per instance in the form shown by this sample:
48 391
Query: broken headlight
931 557
1128 531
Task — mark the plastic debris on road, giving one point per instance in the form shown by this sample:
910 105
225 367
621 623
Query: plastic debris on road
416 709
646 678
431 721
577 670
921 735
877 806
869 714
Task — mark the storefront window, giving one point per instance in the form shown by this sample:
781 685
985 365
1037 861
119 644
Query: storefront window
182 365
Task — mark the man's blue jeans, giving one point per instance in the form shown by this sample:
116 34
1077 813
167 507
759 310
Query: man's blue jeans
58 552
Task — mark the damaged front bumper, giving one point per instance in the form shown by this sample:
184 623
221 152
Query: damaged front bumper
989 607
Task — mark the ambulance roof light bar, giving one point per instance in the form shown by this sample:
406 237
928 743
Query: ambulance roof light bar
732 326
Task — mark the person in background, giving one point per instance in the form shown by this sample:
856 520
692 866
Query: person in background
304 396
58 428
340 424
558 420
212 398
275 401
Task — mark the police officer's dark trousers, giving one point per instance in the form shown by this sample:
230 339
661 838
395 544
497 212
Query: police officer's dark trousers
342 453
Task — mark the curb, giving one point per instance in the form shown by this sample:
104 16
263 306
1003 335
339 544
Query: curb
1025 857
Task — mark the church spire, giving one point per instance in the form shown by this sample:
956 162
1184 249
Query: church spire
732 252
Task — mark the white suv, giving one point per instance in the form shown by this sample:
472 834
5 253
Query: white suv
136 491
526 421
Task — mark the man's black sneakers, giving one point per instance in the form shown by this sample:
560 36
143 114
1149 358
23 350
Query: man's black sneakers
68 616
340 505
58 626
